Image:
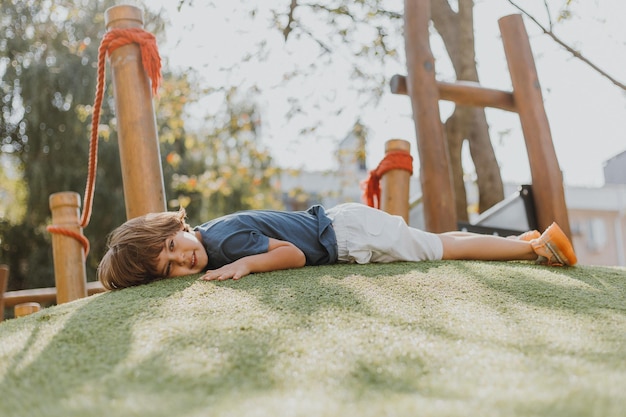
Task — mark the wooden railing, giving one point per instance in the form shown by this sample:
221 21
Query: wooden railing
141 171
42 295
29 301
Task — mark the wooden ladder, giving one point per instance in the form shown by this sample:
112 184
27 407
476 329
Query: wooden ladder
526 99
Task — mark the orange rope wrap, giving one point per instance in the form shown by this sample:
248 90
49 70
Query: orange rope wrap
59 230
392 160
151 61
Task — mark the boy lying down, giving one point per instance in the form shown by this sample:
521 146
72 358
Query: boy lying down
162 245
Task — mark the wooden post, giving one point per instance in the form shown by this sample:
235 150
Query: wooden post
435 175
68 254
140 157
395 184
4 280
25 309
547 179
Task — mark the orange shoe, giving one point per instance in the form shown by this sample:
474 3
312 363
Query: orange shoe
530 235
554 248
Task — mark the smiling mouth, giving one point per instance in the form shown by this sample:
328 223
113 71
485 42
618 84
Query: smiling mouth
193 260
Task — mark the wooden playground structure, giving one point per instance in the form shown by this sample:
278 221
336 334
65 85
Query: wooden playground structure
142 172
526 99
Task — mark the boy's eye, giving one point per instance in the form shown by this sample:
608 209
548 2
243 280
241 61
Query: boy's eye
170 247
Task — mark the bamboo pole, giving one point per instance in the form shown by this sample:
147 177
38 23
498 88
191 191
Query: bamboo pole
435 175
547 179
68 253
140 157
395 183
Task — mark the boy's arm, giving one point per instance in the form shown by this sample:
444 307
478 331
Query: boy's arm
279 255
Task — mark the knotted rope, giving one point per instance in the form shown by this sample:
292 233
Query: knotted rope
151 61
392 160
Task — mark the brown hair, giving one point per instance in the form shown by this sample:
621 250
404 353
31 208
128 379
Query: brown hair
133 249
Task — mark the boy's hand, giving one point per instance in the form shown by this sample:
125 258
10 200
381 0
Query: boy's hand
280 255
234 271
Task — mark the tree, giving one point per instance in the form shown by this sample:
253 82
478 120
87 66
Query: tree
12 193
548 29
222 168
467 123
48 56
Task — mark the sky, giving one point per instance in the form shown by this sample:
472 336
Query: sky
586 112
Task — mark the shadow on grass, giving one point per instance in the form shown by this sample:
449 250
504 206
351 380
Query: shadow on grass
103 353
91 350
307 290
588 304
87 356
588 290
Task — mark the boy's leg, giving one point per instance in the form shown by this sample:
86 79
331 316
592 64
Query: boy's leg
471 246
530 235
552 247
371 235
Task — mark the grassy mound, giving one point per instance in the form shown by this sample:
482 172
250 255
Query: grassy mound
434 338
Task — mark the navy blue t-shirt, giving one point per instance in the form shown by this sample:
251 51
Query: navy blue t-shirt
246 233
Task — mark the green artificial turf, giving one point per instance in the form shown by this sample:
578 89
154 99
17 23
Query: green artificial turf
434 338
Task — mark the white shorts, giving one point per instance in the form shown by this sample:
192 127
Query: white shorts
365 234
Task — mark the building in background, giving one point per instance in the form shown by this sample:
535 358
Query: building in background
615 169
301 189
598 217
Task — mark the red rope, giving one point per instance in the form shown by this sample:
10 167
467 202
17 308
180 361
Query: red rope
392 160
60 230
151 61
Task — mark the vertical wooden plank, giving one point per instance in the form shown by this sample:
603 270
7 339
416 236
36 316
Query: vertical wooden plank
435 176
140 157
4 281
547 179
69 257
395 184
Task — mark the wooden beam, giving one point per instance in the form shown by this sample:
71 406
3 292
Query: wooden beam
465 93
43 295
142 174
547 180
435 176
4 280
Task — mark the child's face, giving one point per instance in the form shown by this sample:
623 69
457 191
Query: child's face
182 254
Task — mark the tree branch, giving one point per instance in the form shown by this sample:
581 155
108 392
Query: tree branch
290 19
571 50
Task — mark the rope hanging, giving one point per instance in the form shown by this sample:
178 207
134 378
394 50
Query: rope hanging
151 61
392 160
